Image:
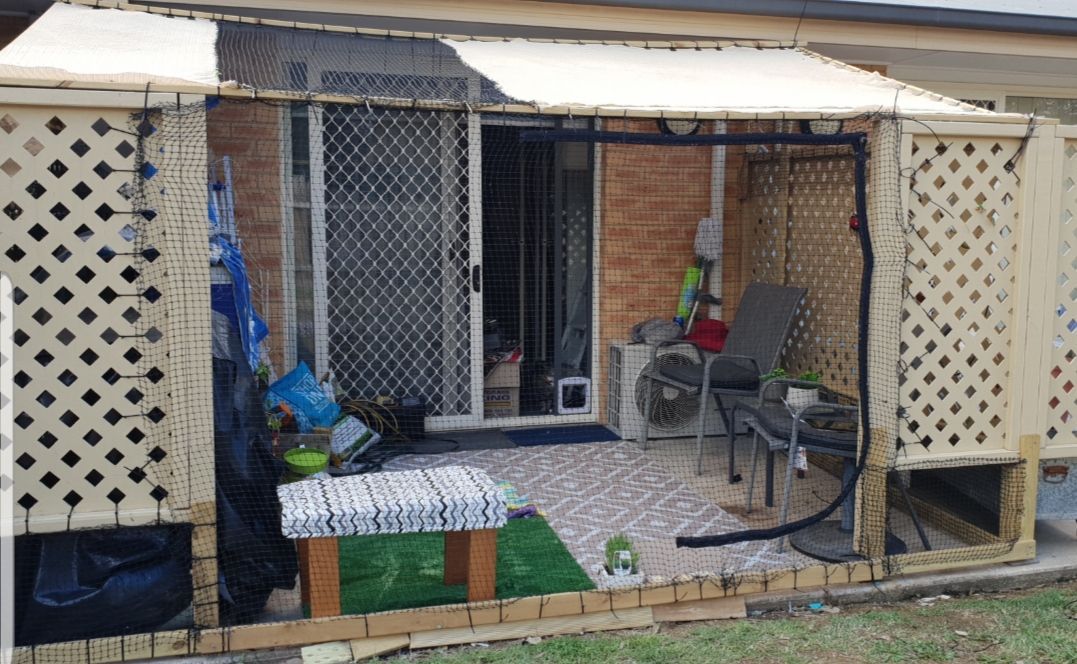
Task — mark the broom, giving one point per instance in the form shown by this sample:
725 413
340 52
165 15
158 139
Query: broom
708 247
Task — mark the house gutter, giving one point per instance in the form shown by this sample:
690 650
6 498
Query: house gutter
867 12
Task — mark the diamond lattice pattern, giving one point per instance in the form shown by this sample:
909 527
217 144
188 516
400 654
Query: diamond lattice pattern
1062 384
957 315
799 207
397 255
90 427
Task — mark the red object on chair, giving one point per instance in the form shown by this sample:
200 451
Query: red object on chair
709 334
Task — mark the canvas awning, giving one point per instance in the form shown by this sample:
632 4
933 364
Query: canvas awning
79 45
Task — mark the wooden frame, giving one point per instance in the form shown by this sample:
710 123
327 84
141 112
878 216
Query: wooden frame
578 610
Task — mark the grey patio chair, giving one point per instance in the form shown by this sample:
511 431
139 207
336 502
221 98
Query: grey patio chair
752 349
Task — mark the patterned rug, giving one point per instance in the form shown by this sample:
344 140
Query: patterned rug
595 490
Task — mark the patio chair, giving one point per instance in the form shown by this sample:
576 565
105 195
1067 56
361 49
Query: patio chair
828 426
752 349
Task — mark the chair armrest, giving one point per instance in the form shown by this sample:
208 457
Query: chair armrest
790 382
835 411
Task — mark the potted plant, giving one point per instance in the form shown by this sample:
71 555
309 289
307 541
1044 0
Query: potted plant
772 374
621 562
800 397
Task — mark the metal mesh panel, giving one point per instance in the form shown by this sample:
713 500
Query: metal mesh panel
397 259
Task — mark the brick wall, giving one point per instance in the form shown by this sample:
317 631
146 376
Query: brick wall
250 133
652 200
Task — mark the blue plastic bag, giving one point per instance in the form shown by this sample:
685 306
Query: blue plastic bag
300 390
252 329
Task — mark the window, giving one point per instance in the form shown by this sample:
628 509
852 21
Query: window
1051 107
986 104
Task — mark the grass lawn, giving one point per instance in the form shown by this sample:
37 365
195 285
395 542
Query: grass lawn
387 572
1031 626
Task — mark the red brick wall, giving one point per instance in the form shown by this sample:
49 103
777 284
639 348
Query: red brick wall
652 200
250 133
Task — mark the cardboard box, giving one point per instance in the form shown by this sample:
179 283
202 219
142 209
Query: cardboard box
506 374
501 402
501 393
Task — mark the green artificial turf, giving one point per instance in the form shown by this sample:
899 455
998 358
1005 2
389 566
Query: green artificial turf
387 572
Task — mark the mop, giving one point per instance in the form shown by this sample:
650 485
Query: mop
708 247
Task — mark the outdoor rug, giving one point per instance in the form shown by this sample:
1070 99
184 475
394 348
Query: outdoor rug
592 492
563 435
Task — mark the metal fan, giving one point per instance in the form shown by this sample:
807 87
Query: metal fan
672 408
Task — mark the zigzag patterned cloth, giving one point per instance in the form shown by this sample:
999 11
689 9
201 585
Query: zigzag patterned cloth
451 498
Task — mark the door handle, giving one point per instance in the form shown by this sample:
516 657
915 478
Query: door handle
476 278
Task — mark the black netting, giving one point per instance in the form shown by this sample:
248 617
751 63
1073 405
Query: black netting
293 359
300 61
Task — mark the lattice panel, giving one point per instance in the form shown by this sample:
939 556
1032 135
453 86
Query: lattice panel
766 214
824 256
798 213
957 316
397 254
88 437
1062 383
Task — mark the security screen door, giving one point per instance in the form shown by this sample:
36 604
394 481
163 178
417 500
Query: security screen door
400 257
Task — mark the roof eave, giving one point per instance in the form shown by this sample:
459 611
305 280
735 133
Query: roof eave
864 12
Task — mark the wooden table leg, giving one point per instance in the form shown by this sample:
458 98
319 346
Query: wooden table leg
456 556
482 565
319 575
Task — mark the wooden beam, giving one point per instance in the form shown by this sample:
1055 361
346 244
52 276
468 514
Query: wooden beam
1030 453
482 565
592 622
319 574
573 608
379 645
975 556
724 608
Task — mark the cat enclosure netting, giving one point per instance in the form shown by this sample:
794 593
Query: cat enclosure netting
394 340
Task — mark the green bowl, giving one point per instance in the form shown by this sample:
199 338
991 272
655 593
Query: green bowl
306 461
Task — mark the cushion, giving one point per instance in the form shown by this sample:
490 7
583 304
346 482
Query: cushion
725 375
412 501
777 421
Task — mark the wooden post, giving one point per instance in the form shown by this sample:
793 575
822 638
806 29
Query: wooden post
457 544
1030 454
884 333
482 565
319 575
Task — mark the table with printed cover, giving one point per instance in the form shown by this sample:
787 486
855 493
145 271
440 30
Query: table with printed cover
461 501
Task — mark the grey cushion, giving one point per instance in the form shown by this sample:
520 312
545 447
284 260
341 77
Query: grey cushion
777 421
725 375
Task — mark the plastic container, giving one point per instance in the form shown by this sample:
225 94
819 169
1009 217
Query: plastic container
306 461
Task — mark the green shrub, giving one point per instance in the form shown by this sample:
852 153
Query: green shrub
620 542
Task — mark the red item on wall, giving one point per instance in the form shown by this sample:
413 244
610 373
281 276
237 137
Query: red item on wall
709 334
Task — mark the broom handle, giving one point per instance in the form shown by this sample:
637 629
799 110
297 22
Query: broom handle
699 289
